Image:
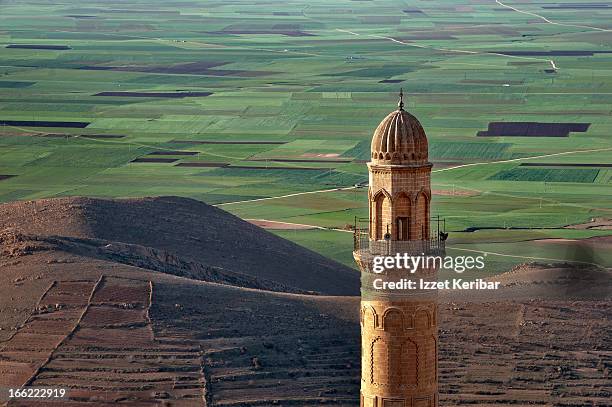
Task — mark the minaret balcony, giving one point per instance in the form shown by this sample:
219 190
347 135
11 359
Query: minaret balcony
365 246
362 244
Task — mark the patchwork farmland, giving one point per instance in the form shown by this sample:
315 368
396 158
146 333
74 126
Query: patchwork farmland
253 106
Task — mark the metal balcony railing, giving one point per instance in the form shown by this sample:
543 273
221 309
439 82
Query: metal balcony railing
364 245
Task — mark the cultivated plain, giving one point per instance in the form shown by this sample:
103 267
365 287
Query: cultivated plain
248 105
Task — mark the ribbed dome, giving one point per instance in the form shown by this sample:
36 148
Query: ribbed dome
399 139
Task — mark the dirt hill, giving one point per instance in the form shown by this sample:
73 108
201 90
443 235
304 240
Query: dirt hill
559 281
112 300
182 232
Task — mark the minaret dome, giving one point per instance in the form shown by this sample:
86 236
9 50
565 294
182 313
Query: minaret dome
399 139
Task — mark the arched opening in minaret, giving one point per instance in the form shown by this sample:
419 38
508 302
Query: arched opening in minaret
421 231
382 215
408 363
393 320
422 320
402 217
379 362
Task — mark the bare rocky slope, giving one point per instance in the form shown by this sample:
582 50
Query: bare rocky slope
174 230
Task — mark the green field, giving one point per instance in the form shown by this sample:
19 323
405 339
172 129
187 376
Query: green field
309 81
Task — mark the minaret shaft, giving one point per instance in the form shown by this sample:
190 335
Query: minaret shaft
398 331
399 353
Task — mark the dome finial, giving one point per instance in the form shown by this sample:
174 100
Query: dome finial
400 104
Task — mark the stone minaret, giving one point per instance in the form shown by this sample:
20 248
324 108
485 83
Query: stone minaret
398 327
